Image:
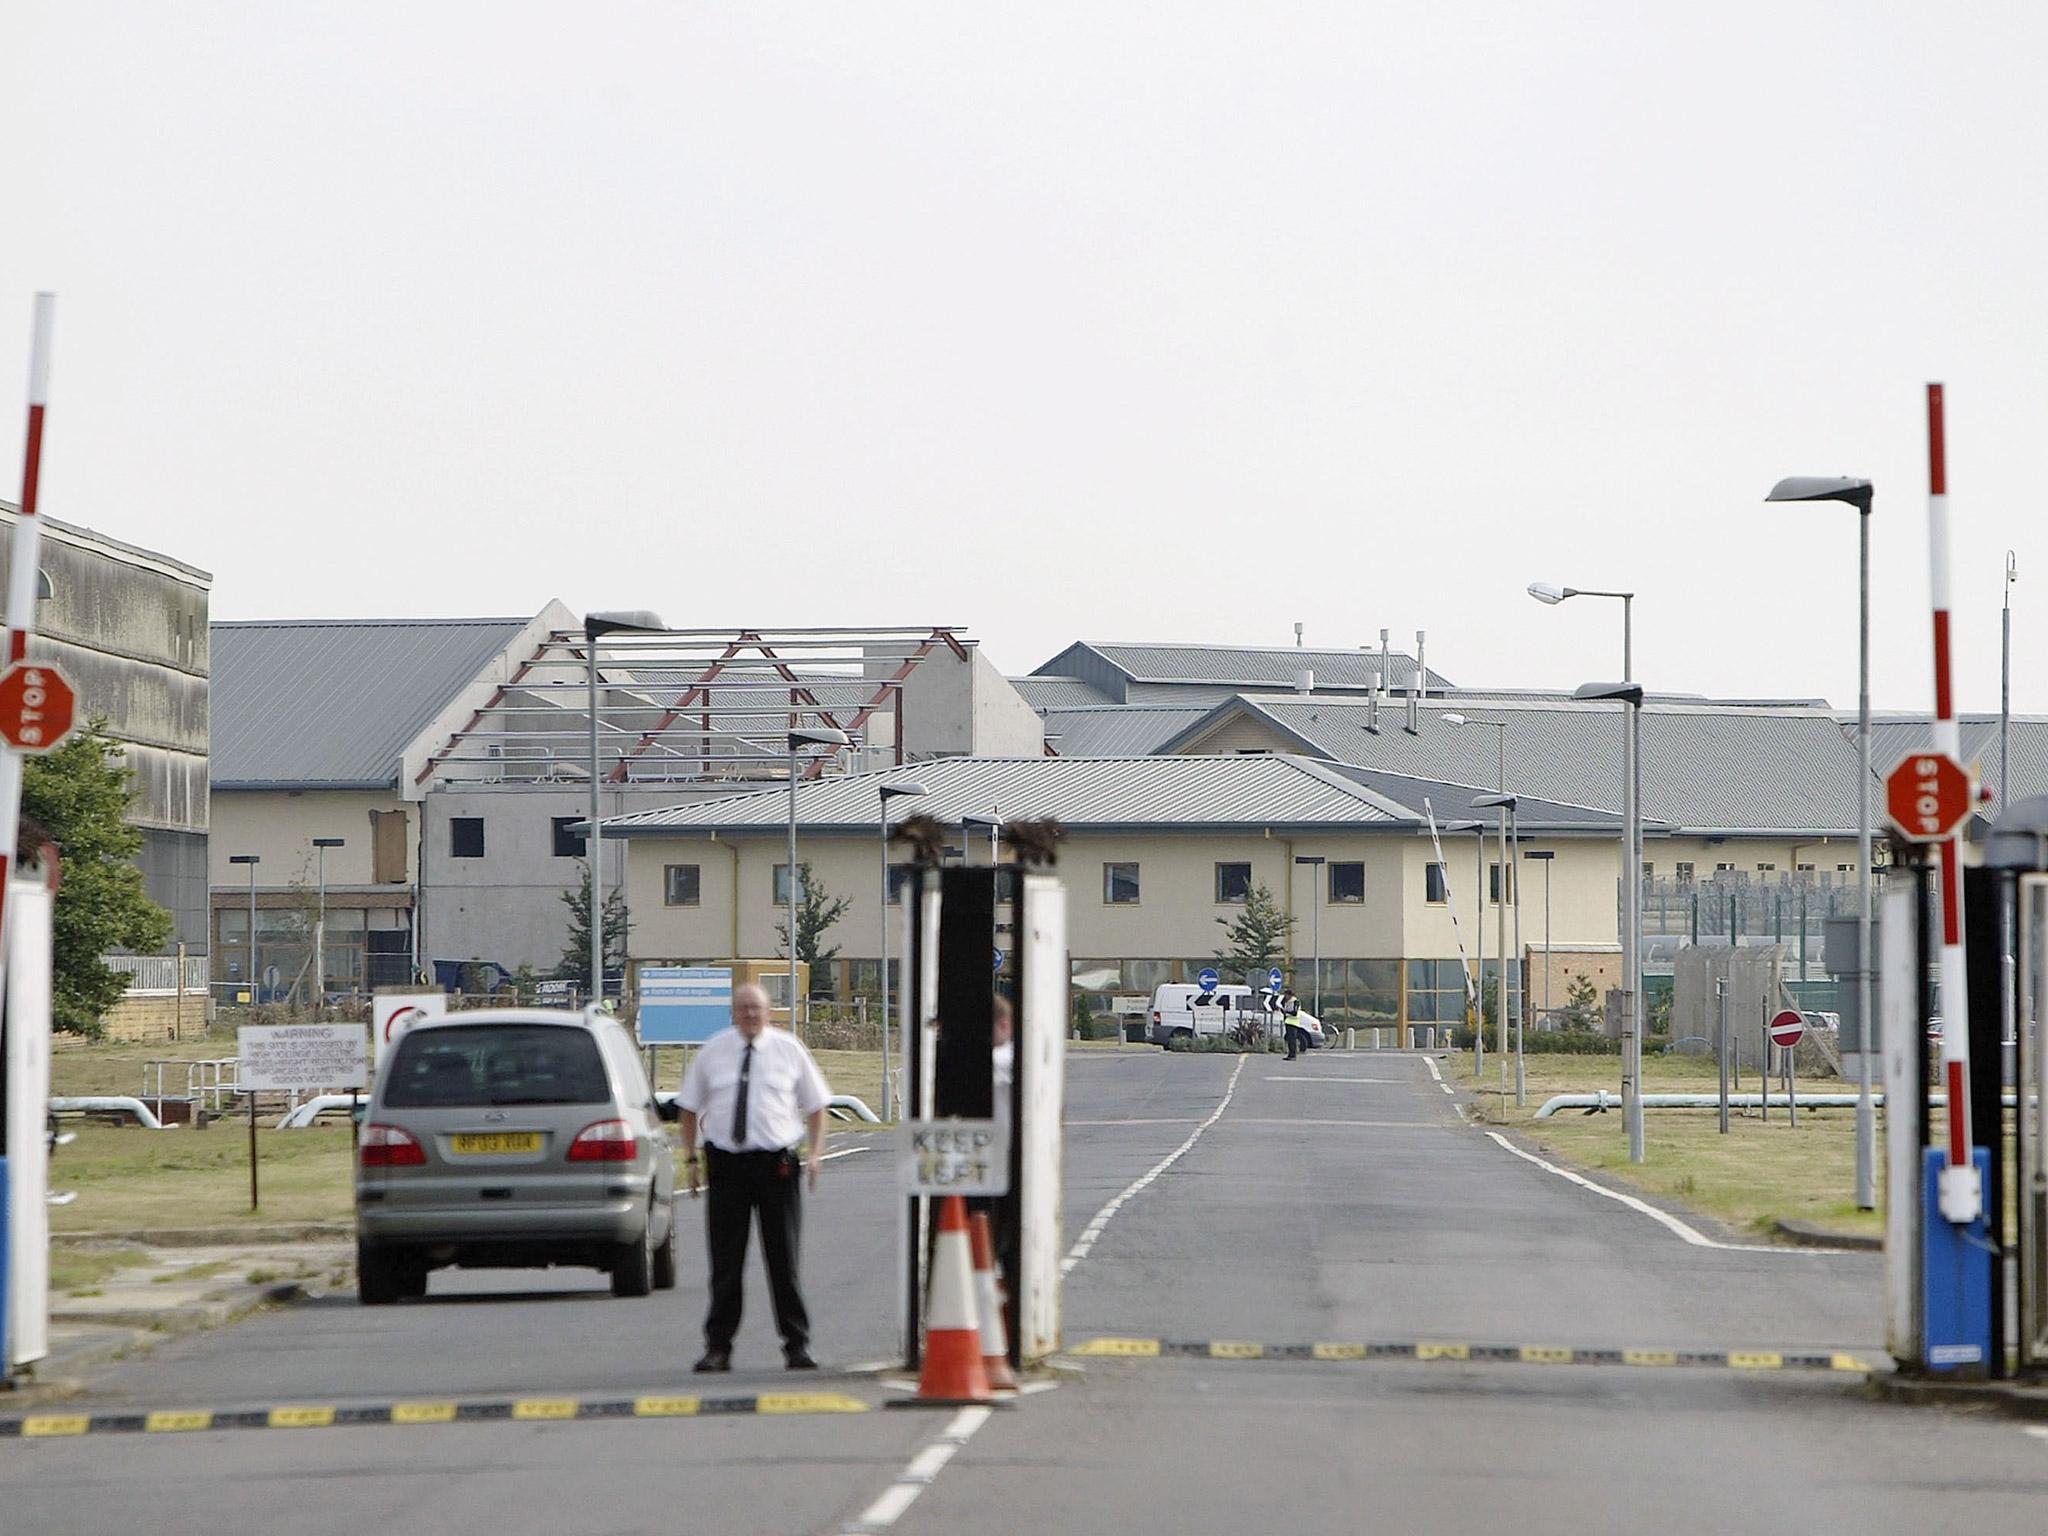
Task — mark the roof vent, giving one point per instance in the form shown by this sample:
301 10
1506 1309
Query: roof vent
1305 680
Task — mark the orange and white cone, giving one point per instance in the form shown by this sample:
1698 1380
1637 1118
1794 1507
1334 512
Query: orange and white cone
953 1374
995 1341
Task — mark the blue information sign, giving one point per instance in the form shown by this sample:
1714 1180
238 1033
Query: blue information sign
684 1004
1208 979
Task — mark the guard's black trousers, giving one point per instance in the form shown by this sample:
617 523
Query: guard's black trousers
1297 1041
741 1184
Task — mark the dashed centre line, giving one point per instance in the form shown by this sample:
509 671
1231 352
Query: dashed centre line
919 1474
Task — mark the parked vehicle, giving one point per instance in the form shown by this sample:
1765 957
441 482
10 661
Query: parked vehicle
509 1138
1184 1009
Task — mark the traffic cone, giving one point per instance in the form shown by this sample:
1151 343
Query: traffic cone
995 1341
953 1375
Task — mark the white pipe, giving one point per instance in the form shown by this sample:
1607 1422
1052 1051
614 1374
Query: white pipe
1604 1100
97 1103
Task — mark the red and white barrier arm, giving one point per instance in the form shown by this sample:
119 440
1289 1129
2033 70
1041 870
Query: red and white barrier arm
1962 1196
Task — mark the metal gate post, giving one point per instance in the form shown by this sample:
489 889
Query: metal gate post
2016 856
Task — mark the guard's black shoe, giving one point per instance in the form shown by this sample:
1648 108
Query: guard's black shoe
714 1360
798 1359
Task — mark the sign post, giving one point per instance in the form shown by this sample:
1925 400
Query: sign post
297 1058
1786 1029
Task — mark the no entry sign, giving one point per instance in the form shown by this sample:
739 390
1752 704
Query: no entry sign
1787 1029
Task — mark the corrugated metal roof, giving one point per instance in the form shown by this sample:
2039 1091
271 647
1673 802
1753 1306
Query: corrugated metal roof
1893 736
1118 730
1243 668
1705 767
1126 793
1454 802
335 702
1058 692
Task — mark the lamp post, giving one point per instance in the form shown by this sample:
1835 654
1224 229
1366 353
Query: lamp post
1549 857
1477 996
252 860
321 845
1315 861
595 627
812 736
889 792
2012 574
1510 892
1630 694
1500 904
1858 494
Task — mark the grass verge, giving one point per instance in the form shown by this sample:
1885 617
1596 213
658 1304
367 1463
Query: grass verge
1756 1175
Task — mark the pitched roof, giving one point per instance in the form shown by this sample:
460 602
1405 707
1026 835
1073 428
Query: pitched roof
1450 802
1707 768
1092 794
333 703
1119 669
1118 730
1043 693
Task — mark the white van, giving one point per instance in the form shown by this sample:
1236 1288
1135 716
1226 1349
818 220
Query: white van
1182 1008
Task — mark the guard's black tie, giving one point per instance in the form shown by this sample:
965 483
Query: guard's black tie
739 1102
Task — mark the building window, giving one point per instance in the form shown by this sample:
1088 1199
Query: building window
782 886
568 844
1766 869
1233 883
1493 886
681 885
1803 869
1436 885
1724 869
465 837
899 876
1845 869
1347 883
1120 885
1685 873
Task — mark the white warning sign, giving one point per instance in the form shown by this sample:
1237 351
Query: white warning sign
299 1057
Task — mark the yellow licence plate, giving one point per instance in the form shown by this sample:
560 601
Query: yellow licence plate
495 1141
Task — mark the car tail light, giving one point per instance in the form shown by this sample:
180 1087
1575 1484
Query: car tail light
386 1146
607 1141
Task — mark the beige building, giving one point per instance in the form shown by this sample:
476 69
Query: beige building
1159 856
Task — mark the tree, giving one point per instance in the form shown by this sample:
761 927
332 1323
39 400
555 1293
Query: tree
77 797
575 964
817 909
1258 937
1582 1003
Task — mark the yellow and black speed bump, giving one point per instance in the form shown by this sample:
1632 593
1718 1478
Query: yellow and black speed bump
531 1410
1482 1354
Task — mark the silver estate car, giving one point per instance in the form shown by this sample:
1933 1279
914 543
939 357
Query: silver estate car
511 1138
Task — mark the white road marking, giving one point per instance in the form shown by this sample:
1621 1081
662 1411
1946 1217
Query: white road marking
1430 1062
1086 1241
2038 1431
1290 1077
1665 1219
924 1467
1380 1125
844 1152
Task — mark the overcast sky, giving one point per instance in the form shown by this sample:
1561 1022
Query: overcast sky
1171 321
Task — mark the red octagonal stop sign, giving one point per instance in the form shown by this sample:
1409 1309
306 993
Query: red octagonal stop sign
37 706
1928 796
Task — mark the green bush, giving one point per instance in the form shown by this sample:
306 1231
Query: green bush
1099 1026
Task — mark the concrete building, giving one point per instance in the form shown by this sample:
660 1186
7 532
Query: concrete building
1157 850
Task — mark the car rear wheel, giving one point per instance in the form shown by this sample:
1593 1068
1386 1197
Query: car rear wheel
665 1258
383 1277
633 1266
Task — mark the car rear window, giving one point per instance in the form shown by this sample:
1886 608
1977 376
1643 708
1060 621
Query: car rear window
458 1068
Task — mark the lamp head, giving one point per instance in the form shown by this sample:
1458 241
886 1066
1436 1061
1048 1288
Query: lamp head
1848 488
1619 693
1455 720
605 623
1550 592
981 819
899 791
1310 858
245 858
329 842
1494 803
817 736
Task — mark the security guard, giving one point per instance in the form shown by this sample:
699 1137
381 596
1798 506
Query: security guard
754 1092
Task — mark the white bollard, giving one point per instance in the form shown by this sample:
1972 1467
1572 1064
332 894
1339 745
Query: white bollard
1350 1039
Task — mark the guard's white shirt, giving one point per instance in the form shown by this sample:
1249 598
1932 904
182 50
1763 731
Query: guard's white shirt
784 1089
1003 1063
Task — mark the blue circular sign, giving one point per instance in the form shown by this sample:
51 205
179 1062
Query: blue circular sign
1208 979
1274 979
999 959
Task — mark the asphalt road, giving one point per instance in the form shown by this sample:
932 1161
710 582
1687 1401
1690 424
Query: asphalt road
1339 1198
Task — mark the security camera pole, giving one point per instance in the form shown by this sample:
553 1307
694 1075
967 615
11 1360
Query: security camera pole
813 736
1630 694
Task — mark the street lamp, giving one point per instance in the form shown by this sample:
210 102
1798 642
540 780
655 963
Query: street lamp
1630 694
1500 906
1315 861
1510 814
889 792
810 736
252 860
321 845
595 627
1857 493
